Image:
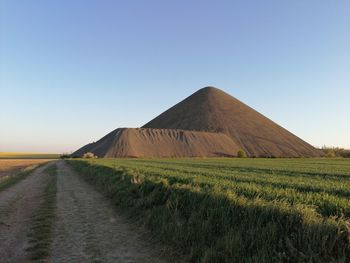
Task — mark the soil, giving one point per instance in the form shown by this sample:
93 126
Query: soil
211 109
155 143
214 123
89 228
17 206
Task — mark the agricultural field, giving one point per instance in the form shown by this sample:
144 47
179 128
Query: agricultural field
235 210
20 155
18 164
10 167
14 170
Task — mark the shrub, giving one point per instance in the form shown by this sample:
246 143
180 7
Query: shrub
65 156
241 154
332 152
89 155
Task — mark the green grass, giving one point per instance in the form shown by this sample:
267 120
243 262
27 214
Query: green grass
12 180
40 237
235 210
18 155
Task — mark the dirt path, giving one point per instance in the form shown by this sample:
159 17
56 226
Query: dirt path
17 205
88 229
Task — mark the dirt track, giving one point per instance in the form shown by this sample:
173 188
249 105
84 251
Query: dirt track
88 228
17 205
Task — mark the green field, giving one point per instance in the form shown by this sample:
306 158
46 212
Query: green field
235 210
20 155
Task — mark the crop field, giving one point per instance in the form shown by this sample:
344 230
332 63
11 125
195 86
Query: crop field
14 170
20 155
235 210
10 167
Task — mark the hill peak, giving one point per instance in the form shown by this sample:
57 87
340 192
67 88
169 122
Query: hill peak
210 122
213 110
210 90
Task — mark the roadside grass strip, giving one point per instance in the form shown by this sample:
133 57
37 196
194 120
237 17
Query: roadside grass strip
40 237
210 222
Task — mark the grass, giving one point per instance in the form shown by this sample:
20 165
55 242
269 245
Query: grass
235 210
40 237
6 182
20 155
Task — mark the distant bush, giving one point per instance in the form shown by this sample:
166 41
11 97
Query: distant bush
65 156
332 152
89 155
241 154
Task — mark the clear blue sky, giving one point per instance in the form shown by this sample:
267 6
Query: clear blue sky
71 71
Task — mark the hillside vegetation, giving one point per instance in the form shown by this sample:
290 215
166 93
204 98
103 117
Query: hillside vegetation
235 210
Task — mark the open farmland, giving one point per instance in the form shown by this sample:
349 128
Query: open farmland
224 210
14 170
10 167
20 155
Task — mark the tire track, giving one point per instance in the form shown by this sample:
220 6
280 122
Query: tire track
17 205
88 229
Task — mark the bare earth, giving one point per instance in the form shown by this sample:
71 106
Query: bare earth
157 143
88 228
209 123
17 205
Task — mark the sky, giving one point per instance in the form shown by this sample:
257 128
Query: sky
72 71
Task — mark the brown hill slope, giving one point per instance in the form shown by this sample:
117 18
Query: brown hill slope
138 142
213 110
